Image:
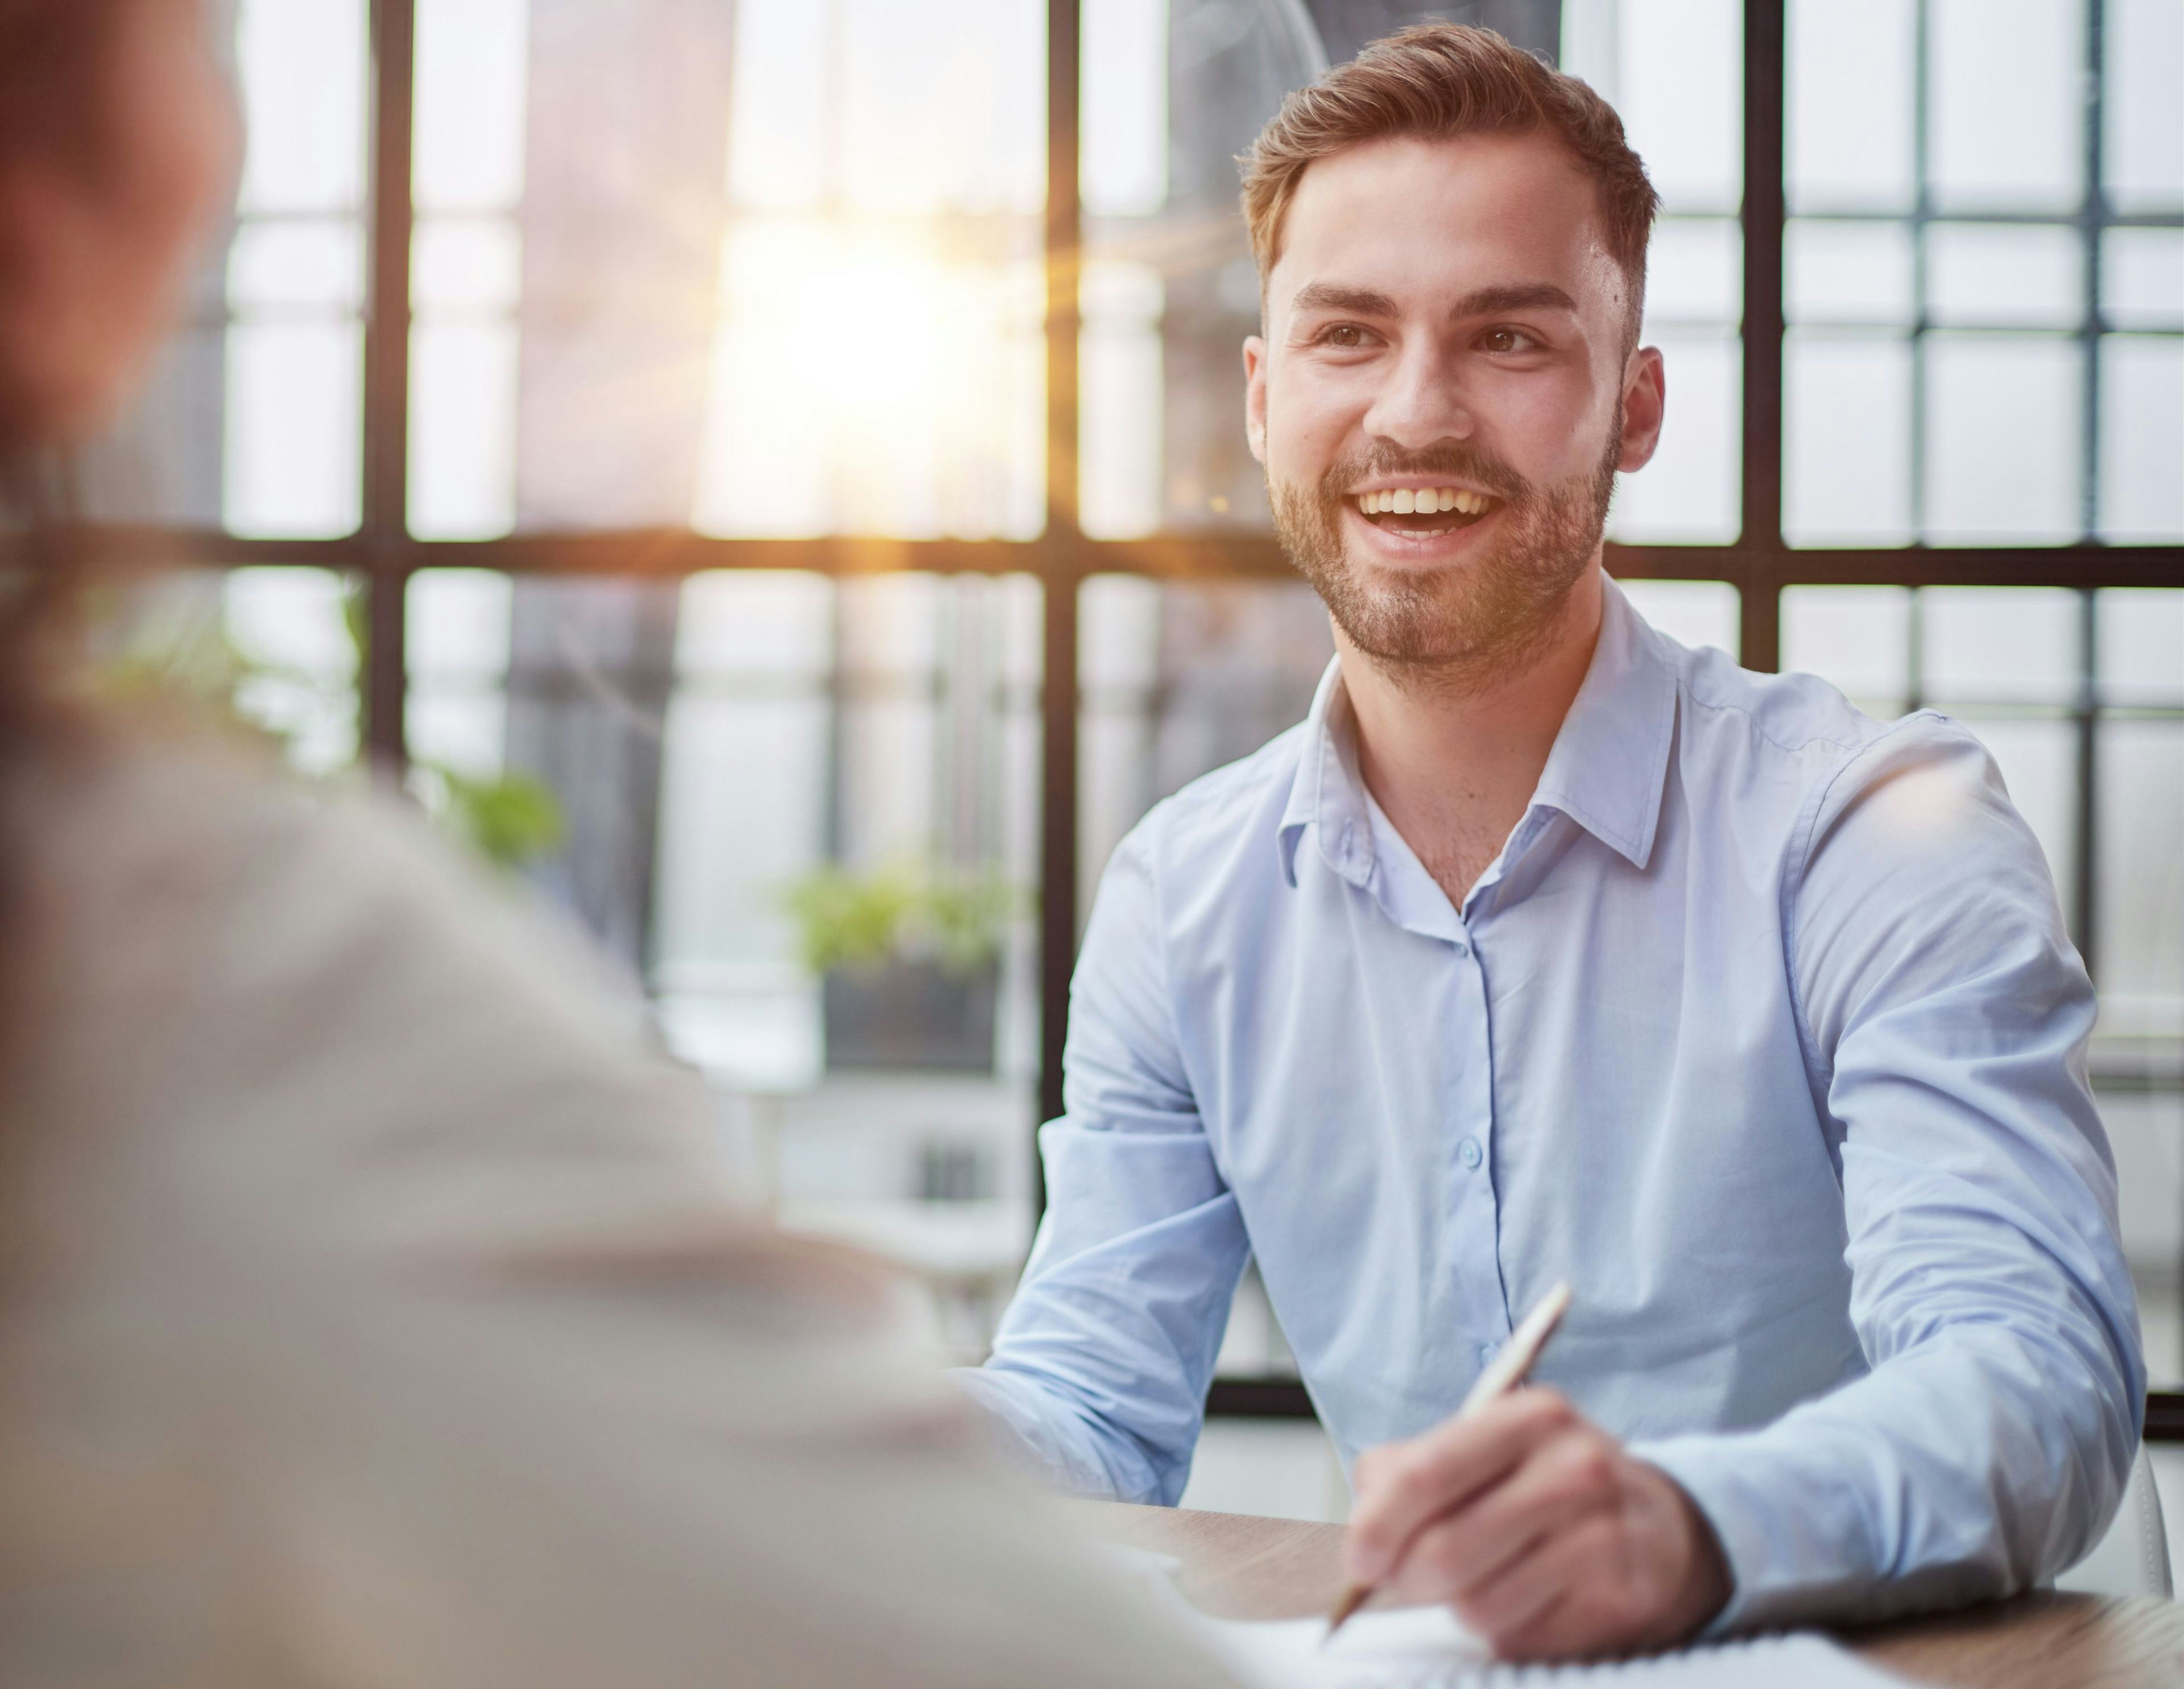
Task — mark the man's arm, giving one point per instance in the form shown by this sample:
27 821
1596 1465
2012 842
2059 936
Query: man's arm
1101 1367
1947 1014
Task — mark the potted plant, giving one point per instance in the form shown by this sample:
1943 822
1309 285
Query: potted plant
908 960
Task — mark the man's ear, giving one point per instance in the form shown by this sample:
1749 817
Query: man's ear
1645 402
1255 396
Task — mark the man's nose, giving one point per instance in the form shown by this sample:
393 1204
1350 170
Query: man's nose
1424 399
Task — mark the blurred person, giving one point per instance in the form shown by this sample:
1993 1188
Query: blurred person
368 1314
1547 949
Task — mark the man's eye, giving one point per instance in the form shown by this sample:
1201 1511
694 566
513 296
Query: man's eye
1508 340
1343 334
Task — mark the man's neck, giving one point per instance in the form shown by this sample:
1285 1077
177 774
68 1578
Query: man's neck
1453 759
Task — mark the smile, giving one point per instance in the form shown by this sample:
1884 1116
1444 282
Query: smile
1422 511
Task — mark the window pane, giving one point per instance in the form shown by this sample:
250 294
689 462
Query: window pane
2142 278
1678 82
456 705
294 407
1847 437
2144 144
1985 645
2039 765
301 74
1173 89
1848 272
2005 129
2142 646
1179 679
251 419
2142 491
1998 274
1689 492
1851 71
1858 637
2002 439
2142 933
1690 612
289 629
1694 272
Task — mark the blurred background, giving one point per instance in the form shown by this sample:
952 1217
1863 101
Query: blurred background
771 472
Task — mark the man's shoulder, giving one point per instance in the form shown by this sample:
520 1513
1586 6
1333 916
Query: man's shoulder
1796 718
1225 820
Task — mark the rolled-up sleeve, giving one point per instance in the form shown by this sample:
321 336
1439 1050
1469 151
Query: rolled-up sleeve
1101 1367
1946 1016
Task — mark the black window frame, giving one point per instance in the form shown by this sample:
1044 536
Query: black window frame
383 556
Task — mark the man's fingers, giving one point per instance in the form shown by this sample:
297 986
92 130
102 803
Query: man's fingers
1406 1485
1561 1483
1565 1597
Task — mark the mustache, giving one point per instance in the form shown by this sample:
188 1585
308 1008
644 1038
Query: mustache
1452 459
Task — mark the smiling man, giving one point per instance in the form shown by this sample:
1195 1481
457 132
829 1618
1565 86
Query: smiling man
1544 949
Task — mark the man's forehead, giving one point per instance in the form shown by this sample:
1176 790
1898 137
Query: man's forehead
1456 214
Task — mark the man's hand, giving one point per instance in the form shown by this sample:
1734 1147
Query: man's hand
1544 1536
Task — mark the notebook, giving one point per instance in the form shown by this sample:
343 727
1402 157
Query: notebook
1425 1647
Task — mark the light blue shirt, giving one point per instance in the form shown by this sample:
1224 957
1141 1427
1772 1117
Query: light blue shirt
1763 1030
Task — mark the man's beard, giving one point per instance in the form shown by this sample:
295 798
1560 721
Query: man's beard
1464 625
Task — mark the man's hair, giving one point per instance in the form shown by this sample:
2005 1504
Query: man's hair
1435 83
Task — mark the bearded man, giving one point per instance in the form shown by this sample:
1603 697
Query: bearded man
1546 949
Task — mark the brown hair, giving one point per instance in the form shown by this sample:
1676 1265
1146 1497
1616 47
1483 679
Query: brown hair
1437 81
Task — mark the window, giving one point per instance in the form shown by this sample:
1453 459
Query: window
513 401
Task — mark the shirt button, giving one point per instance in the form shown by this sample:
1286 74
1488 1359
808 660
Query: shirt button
1487 1351
1470 1153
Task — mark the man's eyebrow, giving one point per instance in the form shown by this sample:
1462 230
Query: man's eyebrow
1514 296
1333 296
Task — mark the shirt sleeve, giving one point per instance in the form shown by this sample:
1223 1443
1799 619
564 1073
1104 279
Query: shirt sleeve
1946 1016
1101 1367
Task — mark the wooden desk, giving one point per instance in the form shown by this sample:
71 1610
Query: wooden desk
1239 1567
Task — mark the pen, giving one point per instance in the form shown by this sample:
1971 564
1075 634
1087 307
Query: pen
1503 1373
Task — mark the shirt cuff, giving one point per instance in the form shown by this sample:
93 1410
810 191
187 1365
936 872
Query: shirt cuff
1791 1562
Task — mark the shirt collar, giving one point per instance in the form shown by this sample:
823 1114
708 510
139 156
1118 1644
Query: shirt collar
1607 769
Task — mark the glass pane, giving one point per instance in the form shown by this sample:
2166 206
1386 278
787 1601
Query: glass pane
771 269
2143 165
252 417
2142 646
1173 89
1858 637
1689 493
1177 680
2142 278
2039 765
2006 126
1694 273
1999 274
291 634
2002 439
2141 493
2142 874
1677 79
295 393
301 76
1848 272
1987 644
455 709
1852 67
1846 440
1690 612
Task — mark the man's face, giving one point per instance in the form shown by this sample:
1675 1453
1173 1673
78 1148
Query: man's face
1446 329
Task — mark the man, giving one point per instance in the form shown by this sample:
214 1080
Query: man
1545 949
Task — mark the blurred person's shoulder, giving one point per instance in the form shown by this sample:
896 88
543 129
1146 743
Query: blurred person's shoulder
307 971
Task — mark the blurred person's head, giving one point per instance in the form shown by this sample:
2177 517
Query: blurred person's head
1451 246
115 142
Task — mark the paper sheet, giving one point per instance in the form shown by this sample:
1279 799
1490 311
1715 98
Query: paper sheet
1425 1648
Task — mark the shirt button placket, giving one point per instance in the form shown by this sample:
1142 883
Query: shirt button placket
1472 1208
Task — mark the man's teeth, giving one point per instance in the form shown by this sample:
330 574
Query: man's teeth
1403 501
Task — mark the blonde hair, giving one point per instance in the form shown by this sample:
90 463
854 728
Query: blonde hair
1435 83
